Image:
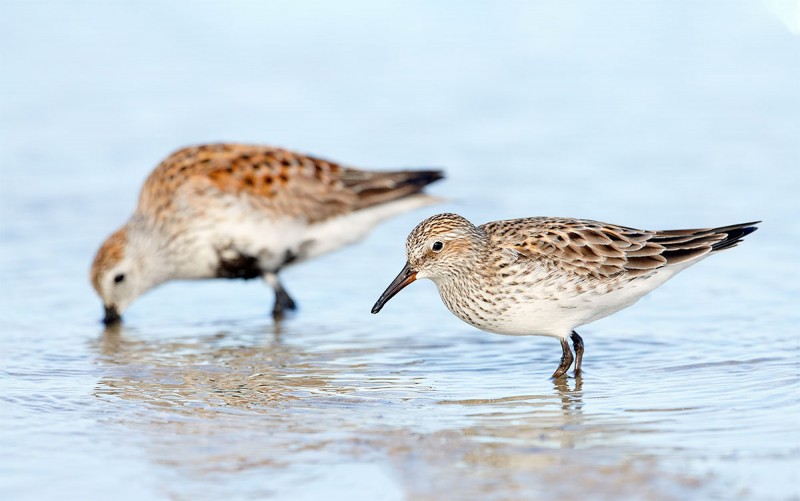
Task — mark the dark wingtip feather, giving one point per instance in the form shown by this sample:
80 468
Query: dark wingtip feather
733 235
375 187
423 177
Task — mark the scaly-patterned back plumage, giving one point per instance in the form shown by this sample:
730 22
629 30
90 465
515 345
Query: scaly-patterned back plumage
274 180
597 250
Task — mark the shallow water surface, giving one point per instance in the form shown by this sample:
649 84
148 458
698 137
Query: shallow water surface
653 115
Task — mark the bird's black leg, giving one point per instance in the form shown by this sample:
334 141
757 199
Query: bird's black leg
566 359
283 301
577 343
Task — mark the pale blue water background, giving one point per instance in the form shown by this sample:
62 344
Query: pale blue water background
650 114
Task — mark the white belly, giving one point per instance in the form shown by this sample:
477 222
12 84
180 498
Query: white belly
554 309
231 228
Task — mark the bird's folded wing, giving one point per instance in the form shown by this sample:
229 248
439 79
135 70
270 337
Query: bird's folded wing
599 250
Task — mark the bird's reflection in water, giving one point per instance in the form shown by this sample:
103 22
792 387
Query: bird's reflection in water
203 374
537 446
232 401
219 402
552 418
571 392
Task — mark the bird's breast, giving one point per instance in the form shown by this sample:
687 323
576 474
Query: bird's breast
515 305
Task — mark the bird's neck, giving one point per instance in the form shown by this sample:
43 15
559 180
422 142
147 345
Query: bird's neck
466 292
149 248
466 298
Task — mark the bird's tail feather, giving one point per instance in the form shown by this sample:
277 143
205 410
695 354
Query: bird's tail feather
376 187
733 235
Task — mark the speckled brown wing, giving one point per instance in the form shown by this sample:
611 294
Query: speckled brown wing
598 250
277 180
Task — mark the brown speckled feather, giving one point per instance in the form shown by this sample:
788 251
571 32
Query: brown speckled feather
275 180
600 250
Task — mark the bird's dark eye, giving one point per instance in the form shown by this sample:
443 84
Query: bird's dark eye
119 278
437 246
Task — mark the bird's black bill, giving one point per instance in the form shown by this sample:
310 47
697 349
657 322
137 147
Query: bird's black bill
405 277
111 316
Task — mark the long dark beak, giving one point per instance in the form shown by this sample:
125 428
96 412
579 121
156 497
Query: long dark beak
405 277
112 316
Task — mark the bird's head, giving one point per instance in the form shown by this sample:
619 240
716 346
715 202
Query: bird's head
439 248
118 275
